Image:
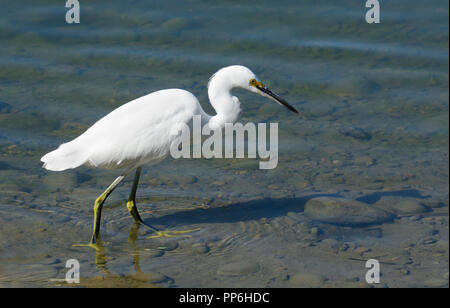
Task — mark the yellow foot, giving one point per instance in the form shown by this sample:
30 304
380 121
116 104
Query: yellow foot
84 245
168 233
96 246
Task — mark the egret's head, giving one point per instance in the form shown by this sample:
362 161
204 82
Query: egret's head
240 76
256 86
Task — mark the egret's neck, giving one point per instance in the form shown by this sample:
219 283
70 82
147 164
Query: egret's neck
227 106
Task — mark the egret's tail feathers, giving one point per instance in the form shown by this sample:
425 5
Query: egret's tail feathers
65 157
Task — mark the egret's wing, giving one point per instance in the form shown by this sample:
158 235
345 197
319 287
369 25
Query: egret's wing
141 129
137 131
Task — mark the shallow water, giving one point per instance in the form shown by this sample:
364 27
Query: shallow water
374 127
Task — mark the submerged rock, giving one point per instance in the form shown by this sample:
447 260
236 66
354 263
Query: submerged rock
355 132
401 206
200 248
5 107
238 269
306 280
345 212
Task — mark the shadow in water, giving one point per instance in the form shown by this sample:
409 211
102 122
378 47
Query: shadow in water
236 212
261 208
376 196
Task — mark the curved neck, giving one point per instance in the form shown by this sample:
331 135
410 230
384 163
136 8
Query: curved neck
227 106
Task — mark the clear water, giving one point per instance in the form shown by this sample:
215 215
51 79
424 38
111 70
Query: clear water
374 123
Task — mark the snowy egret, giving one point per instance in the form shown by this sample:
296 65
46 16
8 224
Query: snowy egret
138 133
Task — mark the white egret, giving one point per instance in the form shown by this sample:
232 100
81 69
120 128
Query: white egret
138 132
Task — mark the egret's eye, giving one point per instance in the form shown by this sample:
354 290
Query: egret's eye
253 82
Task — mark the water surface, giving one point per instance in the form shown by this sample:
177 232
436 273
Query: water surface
374 126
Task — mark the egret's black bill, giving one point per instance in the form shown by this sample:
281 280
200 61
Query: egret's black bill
278 99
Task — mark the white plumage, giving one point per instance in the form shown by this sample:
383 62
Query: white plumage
141 132
134 134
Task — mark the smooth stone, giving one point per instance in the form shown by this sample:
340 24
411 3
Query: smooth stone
306 280
404 271
200 248
163 245
187 179
355 132
345 212
314 231
331 244
238 269
427 241
401 206
153 253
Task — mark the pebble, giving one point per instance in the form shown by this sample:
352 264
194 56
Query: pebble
330 244
345 212
163 245
427 241
404 271
415 217
306 280
238 269
355 132
401 206
200 248
187 179
153 253
314 231
157 278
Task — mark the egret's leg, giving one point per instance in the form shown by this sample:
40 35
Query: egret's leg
98 205
131 203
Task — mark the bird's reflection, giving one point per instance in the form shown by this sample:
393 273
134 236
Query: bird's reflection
108 279
132 237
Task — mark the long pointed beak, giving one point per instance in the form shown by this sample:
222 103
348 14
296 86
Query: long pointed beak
276 98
